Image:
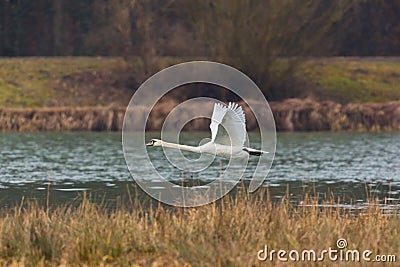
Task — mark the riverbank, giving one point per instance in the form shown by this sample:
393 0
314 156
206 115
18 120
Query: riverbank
308 115
228 233
61 119
91 94
39 82
289 115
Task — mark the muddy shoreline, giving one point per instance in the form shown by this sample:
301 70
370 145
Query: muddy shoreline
290 115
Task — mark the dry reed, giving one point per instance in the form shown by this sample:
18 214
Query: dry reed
227 233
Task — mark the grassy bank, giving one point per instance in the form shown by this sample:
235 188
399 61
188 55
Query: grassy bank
62 81
226 234
355 80
71 81
92 81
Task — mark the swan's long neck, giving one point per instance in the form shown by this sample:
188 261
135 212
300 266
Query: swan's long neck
182 147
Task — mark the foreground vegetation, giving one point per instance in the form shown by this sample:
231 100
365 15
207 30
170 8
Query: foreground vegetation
93 81
228 233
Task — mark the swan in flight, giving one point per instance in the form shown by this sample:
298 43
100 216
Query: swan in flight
226 141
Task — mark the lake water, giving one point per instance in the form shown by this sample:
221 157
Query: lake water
350 165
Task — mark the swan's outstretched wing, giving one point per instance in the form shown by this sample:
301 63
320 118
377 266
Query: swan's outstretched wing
233 120
235 124
217 117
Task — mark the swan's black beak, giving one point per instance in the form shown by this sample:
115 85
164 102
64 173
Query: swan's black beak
151 143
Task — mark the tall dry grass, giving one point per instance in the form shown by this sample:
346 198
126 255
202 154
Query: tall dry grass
227 233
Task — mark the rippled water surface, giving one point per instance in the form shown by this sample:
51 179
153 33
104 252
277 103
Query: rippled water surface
351 165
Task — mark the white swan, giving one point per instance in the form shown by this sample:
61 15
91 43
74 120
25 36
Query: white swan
226 141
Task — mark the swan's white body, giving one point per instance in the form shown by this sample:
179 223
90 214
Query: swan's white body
226 141
209 148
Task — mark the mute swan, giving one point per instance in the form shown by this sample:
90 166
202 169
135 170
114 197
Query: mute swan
230 140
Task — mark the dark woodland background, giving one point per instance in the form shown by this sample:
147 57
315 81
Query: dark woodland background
265 39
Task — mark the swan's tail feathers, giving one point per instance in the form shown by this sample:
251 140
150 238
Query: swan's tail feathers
254 152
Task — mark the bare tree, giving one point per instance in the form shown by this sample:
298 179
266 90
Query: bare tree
143 18
57 26
111 27
265 39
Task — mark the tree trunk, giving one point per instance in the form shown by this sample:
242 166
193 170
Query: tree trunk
57 28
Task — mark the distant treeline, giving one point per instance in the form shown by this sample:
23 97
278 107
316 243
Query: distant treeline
116 27
265 39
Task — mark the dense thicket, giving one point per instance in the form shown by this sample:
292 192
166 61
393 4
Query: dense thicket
119 27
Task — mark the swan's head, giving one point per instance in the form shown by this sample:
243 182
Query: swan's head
154 142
